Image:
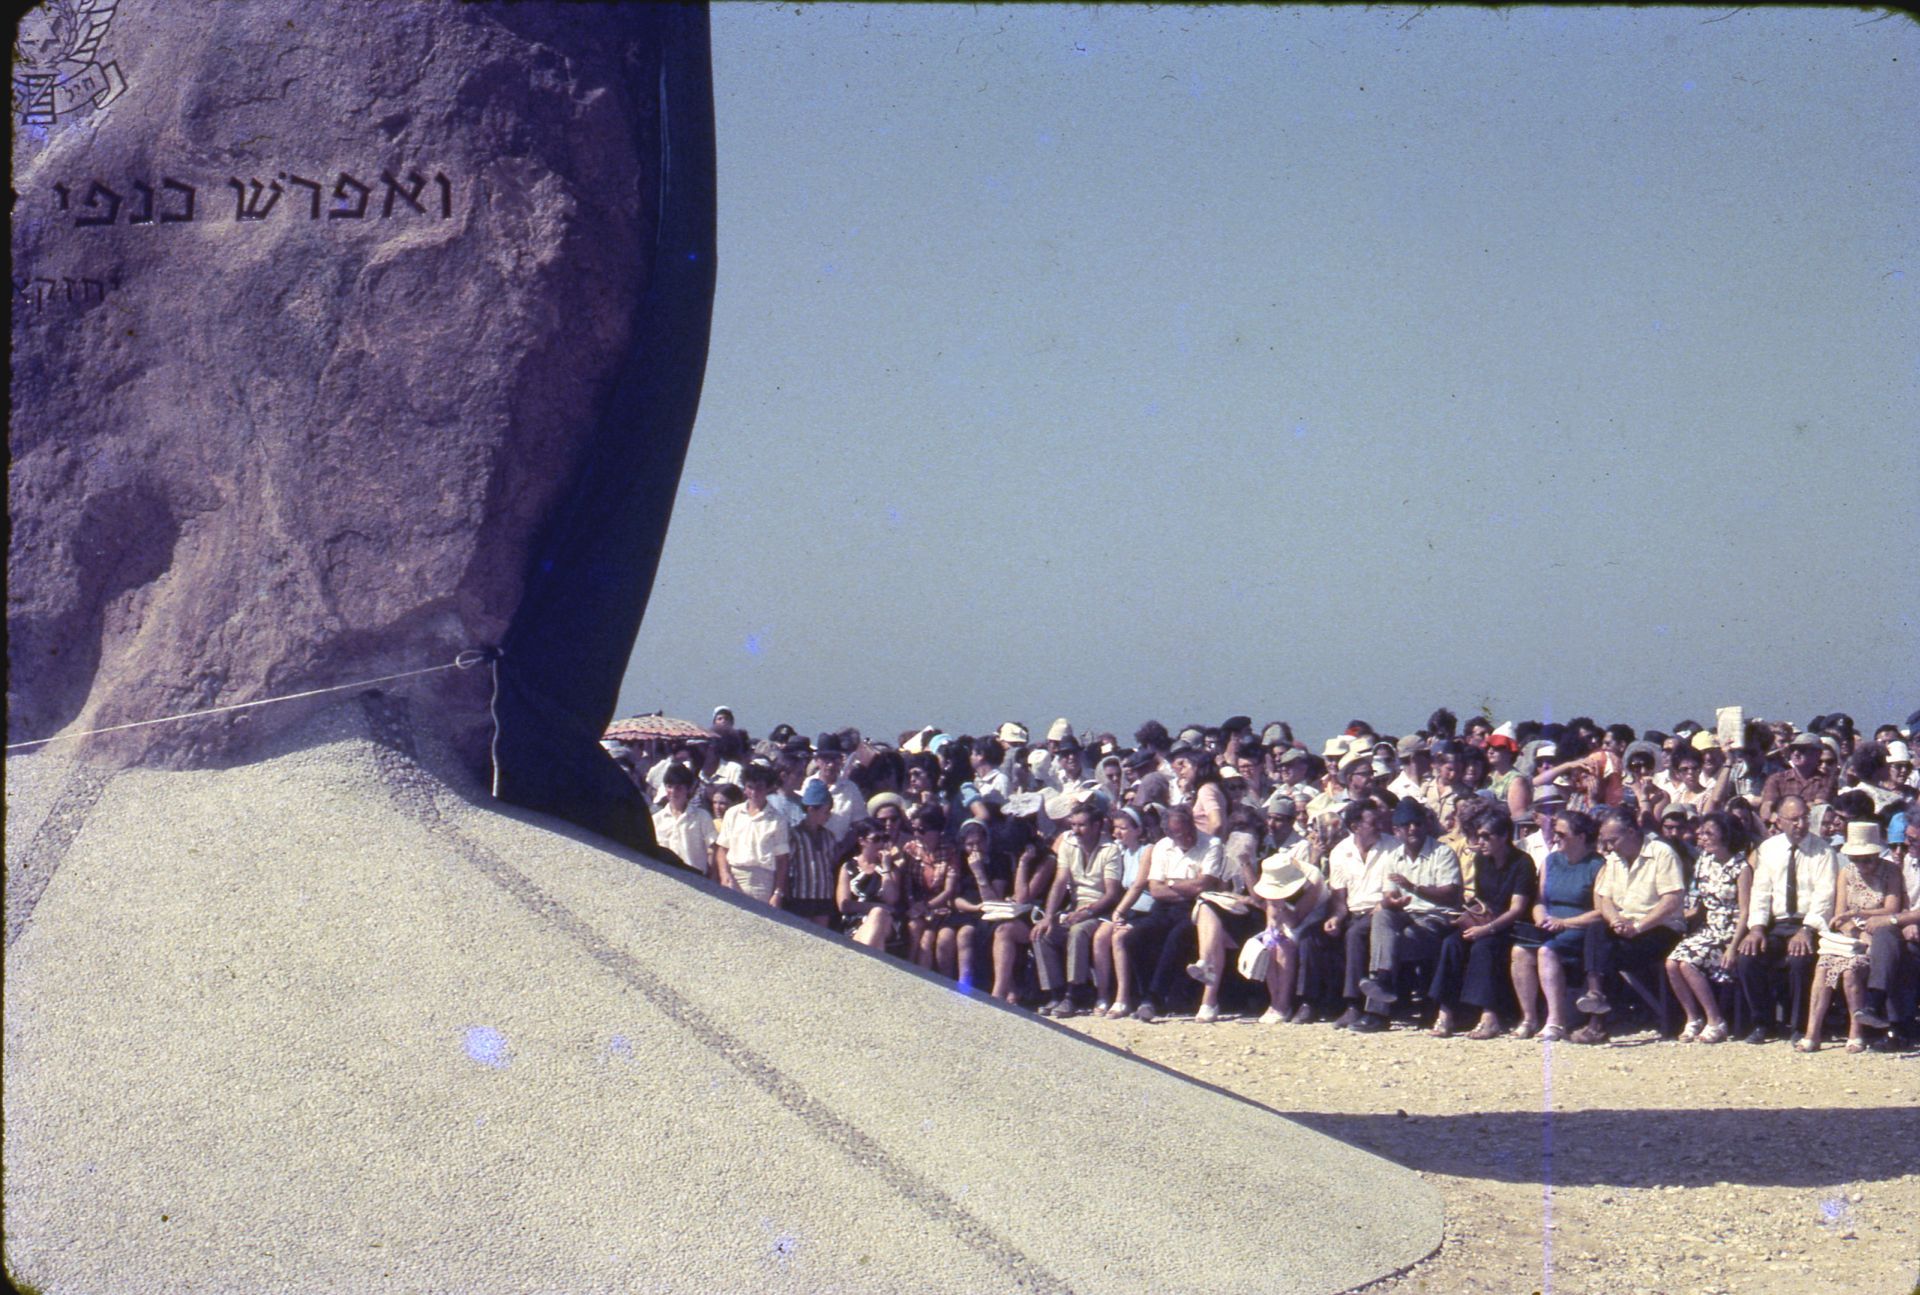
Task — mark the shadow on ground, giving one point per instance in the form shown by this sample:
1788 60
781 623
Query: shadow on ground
1687 1148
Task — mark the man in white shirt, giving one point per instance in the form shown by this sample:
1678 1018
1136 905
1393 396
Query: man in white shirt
1640 894
681 826
1788 906
849 806
1357 876
1181 865
1416 910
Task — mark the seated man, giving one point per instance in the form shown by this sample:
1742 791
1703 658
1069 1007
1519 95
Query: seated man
1090 876
1418 904
1181 865
1787 908
1640 895
1357 876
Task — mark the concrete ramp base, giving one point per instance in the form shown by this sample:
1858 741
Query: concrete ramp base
334 1022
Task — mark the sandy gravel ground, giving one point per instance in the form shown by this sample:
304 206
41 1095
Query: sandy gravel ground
1646 1166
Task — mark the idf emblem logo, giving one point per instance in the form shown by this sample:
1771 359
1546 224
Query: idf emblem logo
55 71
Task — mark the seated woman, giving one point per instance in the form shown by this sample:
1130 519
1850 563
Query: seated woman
979 877
1229 915
1558 936
931 882
1501 892
1868 886
1295 895
1128 834
868 890
1716 898
1032 879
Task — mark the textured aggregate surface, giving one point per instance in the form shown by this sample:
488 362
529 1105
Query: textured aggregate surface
327 1021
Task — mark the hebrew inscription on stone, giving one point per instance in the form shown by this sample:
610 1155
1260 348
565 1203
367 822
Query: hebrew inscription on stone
96 203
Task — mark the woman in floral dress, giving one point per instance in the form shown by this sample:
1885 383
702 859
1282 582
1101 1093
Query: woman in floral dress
1716 899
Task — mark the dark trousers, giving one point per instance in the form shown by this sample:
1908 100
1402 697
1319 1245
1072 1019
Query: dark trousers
1894 970
1400 936
1077 940
1644 954
1759 977
1358 939
1471 971
1317 979
1157 946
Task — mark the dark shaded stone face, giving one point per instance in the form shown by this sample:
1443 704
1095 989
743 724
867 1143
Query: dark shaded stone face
314 320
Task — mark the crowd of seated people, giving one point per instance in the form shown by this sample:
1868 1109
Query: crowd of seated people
1539 880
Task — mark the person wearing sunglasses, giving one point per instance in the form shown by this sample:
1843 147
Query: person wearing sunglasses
1553 948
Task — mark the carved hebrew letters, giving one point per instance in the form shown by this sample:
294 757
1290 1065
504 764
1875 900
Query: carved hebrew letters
173 202
170 217
245 208
313 213
95 192
39 293
340 195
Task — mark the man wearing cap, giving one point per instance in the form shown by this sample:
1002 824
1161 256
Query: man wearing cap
1416 766
1640 894
1296 778
754 845
1788 906
849 805
681 825
810 875
1801 778
1357 877
1418 903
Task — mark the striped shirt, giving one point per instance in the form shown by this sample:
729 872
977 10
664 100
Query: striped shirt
810 871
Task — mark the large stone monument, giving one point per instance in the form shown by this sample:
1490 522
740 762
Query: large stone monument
355 351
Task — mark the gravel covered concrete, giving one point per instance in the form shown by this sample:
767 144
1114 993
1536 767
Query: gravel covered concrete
331 1022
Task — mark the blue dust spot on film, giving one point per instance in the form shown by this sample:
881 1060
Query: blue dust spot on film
619 1046
1299 430
1687 86
1832 1208
693 256
752 645
487 1046
893 516
695 489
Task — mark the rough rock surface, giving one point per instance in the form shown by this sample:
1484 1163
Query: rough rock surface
331 1021
312 433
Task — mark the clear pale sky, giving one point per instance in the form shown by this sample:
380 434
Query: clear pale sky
1302 363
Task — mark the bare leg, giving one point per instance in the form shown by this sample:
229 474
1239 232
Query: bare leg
966 945
1682 991
1817 1014
1854 985
1006 959
920 942
944 951
1525 966
1103 963
1213 952
1280 976
1553 985
1122 972
875 931
1703 993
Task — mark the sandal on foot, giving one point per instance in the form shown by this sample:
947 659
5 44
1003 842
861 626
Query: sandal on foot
1526 1030
1119 1011
1485 1030
1856 1045
1552 1034
1692 1032
1804 1044
1714 1034
1590 1033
